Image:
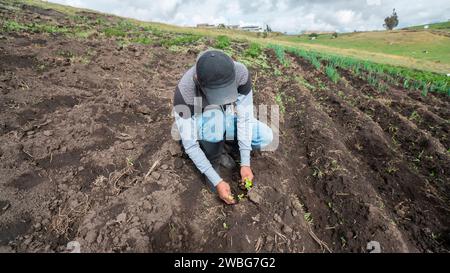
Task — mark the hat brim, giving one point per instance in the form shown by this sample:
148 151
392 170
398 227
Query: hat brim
222 95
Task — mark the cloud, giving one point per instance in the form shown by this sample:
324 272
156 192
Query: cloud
290 16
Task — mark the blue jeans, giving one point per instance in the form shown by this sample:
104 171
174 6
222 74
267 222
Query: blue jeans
210 131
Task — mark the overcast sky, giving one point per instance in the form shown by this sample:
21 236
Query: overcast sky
290 16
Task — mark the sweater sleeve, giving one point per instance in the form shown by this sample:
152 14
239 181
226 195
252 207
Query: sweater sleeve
188 133
245 120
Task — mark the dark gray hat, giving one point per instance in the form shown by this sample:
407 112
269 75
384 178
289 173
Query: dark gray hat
217 78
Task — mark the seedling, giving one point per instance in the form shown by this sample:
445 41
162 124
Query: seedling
241 196
248 184
308 218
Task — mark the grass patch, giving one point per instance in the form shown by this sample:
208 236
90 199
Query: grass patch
143 40
332 73
14 26
222 42
181 40
253 51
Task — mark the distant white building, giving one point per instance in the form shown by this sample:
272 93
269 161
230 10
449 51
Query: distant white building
426 27
233 26
205 26
251 28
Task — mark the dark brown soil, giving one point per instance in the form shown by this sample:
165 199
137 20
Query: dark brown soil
79 135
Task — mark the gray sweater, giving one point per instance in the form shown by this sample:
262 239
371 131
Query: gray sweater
186 115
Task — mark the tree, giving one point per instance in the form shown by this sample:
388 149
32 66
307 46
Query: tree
268 29
391 22
334 35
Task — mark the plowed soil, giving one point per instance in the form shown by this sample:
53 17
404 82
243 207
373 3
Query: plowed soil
83 121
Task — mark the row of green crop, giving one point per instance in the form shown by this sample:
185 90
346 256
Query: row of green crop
378 75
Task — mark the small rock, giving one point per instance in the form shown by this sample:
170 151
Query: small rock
99 239
121 217
286 229
175 149
164 181
48 133
156 175
63 187
277 218
91 236
178 163
128 145
28 241
143 109
256 218
294 213
73 247
37 226
254 196
373 247
164 167
81 168
5 206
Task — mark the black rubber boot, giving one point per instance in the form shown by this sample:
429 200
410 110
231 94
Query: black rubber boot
213 152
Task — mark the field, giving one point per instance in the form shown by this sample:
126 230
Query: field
86 153
418 44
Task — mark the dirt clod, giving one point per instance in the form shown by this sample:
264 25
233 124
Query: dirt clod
156 175
48 133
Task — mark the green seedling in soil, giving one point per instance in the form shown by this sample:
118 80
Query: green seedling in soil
391 170
279 101
143 40
281 56
304 83
225 225
247 184
241 196
344 242
277 72
318 173
308 217
130 162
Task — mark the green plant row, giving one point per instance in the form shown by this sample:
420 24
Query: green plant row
378 74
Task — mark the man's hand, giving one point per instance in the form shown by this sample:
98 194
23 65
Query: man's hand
246 172
224 191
